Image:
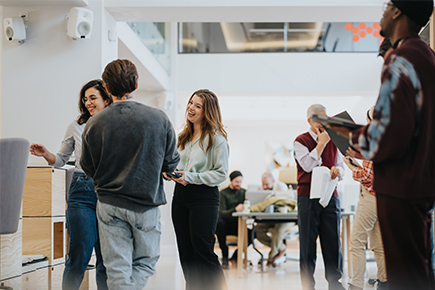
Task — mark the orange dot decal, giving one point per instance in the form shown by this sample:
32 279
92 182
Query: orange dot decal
348 26
376 25
355 30
355 38
362 34
362 25
376 34
369 29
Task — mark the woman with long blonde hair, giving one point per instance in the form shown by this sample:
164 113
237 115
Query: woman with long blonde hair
203 167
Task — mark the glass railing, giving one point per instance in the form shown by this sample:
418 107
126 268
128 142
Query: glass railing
154 35
236 37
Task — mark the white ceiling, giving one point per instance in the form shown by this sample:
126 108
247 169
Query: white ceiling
43 2
245 10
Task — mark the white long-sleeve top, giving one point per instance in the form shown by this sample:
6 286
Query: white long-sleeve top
71 143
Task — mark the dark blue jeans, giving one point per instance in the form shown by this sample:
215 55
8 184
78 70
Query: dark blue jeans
81 222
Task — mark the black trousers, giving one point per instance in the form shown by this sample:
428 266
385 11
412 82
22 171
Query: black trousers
227 227
195 210
405 229
316 221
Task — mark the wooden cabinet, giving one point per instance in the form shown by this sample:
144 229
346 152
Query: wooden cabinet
44 192
44 226
35 277
45 236
55 274
14 283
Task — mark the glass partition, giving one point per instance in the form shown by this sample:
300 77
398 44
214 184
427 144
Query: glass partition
154 36
237 37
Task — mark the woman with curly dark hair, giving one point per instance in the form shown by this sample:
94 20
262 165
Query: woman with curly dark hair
81 220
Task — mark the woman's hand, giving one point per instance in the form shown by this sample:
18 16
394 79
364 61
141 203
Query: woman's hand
38 150
180 179
41 151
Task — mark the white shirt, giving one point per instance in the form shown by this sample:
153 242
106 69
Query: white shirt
308 160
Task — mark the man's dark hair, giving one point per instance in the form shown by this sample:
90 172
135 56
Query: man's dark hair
120 77
418 12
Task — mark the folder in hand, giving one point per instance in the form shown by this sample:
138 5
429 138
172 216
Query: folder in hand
322 186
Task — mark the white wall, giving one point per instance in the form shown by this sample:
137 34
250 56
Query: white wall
42 77
307 74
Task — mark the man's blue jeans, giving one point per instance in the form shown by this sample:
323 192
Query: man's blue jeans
81 222
130 244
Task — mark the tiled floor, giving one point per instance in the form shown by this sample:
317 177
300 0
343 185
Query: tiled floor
285 276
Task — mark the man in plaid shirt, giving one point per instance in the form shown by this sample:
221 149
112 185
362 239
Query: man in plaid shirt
366 224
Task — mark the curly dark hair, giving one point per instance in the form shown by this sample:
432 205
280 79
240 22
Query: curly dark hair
84 113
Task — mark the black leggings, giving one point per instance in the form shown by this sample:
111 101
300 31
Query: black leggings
195 210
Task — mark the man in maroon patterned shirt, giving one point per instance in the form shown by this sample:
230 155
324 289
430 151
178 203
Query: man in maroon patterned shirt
313 149
401 141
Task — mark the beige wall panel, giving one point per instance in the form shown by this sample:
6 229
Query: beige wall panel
10 254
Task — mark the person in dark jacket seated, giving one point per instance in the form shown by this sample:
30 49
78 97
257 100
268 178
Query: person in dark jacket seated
231 200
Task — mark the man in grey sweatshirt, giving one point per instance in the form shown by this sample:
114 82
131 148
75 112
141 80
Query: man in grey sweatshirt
125 149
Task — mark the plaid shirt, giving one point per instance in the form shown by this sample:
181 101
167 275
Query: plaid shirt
364 175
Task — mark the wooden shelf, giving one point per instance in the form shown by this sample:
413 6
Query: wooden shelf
45 236
44 192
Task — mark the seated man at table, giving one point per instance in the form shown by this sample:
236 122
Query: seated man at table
231 200
272 234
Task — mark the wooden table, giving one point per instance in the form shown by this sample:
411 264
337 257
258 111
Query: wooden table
242 241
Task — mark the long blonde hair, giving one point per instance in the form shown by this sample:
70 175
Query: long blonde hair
211 123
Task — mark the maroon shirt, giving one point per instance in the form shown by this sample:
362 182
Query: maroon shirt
329 156
401 138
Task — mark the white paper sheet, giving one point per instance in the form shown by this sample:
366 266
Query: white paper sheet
322 186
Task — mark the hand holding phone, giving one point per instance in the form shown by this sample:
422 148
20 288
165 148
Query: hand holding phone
173 174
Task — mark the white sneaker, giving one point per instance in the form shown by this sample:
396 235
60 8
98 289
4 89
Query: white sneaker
280 260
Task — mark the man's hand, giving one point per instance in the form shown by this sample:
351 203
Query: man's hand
239 207
323 136
344 131
334 172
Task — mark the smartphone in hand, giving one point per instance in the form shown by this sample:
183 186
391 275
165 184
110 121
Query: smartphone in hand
173 174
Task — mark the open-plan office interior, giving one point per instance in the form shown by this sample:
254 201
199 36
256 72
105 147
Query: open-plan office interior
267 61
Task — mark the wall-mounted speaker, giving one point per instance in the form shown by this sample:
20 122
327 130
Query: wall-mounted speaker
14 29
80 22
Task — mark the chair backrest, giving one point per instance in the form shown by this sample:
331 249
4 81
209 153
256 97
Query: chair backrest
14 154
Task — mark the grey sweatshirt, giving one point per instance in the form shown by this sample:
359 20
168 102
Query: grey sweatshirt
125 149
